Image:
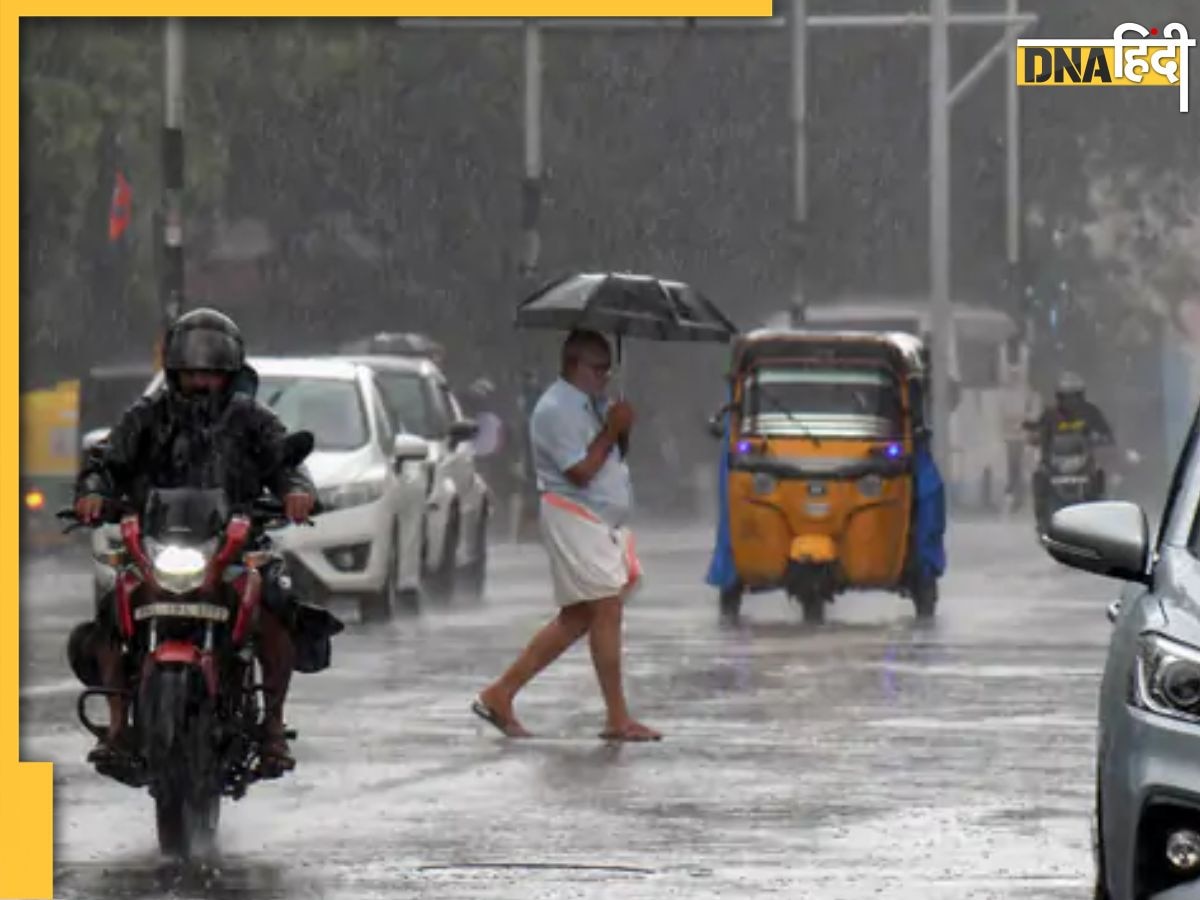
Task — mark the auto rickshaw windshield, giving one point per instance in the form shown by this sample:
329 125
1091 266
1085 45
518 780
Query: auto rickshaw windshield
822 402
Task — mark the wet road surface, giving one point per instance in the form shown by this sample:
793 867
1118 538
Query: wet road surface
871 757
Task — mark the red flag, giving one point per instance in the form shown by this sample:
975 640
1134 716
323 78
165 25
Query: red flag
121 209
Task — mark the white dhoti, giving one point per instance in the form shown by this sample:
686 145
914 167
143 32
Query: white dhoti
589 559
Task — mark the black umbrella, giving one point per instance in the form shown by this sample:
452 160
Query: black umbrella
626 305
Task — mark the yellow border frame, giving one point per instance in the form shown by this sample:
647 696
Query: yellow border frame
26 789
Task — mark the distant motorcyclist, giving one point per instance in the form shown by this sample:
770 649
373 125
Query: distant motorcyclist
1070 414
202 430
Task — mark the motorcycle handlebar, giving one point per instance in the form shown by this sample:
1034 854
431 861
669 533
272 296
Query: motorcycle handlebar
266 512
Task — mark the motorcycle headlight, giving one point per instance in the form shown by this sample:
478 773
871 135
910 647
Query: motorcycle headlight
357 493
1069 465
1167 679
179 569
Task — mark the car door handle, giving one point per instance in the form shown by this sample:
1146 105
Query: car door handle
1114 610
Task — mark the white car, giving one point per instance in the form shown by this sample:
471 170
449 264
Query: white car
367 542
459 502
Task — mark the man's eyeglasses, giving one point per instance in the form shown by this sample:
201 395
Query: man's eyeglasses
602 369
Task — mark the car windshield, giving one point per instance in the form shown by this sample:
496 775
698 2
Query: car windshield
823 402
330 408
410 404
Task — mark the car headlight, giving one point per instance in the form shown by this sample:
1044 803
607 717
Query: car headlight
357 493
1167 680
179 569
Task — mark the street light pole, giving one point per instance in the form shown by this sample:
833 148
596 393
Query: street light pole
172 163
1012 118
531 186
941 309
799 156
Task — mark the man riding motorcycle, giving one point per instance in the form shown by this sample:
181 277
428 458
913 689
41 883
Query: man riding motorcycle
1071 413
200 431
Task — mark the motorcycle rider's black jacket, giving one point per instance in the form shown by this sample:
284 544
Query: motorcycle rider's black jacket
171 440
1079 417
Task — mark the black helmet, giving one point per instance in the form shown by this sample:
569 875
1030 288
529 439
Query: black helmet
203 340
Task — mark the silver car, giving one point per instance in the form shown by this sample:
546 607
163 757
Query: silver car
1147 817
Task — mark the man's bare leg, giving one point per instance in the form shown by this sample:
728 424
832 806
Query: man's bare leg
546 646
605 640
111 665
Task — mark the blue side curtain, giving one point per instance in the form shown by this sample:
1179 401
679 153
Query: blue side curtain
931 512
722 573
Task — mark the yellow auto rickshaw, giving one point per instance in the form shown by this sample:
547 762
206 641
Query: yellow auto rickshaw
819 493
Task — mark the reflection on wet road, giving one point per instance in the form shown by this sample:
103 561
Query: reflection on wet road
871 757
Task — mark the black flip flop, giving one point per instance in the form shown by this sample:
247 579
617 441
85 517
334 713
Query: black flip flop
490 716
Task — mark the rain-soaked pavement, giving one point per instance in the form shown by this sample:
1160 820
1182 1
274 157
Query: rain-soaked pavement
867 758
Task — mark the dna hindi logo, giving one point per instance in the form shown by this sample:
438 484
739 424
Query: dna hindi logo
1135 56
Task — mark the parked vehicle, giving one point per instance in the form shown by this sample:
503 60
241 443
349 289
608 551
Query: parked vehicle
458 500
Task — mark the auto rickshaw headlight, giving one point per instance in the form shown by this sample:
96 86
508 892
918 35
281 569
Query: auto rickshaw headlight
764 483
870 486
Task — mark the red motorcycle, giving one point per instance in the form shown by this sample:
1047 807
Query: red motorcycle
189 584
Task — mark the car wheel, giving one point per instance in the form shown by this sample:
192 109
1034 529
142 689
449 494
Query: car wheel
475 572
380 606
441 579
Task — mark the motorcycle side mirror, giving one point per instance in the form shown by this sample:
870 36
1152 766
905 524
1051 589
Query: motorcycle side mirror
297 447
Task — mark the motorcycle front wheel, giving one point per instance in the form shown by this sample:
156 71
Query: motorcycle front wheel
177 728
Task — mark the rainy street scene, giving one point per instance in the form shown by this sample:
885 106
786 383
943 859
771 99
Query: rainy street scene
591 458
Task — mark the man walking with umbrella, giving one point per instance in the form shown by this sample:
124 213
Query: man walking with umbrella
585 503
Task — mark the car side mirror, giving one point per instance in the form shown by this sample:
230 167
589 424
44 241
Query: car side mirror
409 448
95 438
463 430
1110 538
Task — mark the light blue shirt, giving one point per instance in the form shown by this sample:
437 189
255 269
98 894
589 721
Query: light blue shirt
564 422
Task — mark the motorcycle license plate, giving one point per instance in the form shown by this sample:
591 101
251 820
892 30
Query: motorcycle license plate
182 611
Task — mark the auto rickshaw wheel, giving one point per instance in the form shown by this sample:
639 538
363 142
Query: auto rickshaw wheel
731 603
925 596
812 586
813 603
